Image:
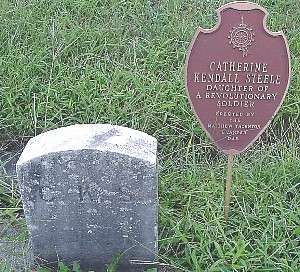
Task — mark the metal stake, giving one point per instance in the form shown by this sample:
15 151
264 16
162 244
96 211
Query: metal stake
228 185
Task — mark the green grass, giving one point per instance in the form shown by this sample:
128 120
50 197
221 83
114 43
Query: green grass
263 229
122 62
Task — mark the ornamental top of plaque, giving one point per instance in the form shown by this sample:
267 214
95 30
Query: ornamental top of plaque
237 75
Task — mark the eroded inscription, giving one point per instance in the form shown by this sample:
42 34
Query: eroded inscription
82 182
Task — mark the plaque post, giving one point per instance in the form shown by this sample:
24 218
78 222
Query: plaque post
237 75
228 185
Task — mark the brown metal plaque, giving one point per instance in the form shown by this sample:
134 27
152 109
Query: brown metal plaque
237 75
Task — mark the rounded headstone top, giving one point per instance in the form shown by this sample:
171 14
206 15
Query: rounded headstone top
101 137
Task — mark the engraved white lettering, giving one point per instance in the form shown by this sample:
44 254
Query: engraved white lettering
238 67
259 78
230 138
222 126
242 104
234 132
229 88
216 78
236 96
229 114
243 126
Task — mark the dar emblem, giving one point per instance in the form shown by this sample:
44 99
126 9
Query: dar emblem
241 37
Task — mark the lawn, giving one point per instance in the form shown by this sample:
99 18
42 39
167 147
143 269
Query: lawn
122 62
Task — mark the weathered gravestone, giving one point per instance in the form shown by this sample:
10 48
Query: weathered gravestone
89 193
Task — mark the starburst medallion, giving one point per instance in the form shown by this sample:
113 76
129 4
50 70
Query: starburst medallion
241 37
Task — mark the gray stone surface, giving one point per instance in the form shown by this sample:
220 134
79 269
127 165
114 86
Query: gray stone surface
90 192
